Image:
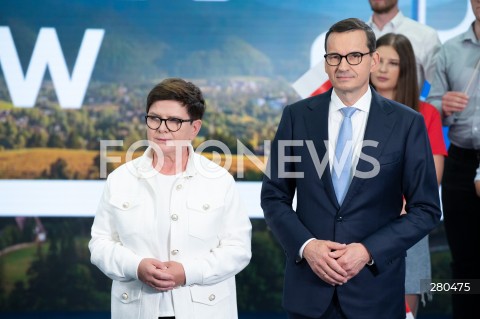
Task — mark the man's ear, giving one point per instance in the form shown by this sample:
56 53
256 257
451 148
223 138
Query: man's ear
375 61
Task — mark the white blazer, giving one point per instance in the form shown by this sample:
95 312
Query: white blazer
210 235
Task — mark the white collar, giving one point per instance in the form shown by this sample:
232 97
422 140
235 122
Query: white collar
395 22
363 104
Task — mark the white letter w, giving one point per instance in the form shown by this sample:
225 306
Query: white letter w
48 52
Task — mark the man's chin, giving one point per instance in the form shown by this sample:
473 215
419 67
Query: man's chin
380 9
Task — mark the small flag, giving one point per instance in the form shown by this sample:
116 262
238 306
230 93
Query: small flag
409 312
314 81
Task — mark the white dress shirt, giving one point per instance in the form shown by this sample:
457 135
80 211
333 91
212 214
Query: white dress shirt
359 123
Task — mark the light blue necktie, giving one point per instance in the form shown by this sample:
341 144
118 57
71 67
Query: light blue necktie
342 180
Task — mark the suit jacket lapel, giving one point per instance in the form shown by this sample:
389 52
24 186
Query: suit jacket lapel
378 129
317 127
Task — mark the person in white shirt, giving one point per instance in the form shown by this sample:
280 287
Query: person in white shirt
170 229
387 18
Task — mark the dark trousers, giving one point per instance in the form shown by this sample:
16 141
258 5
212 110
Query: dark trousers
334 311
461 210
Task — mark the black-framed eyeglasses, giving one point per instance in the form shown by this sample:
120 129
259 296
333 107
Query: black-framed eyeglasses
172 123
353 58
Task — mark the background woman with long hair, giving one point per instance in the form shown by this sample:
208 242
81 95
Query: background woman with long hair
396 79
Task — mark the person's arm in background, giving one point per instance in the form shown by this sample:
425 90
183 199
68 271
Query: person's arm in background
441 95
432 48
435 135
439 163
477 181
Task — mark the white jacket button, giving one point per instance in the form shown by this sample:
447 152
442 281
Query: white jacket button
179 187
174 217
175 251
124 296
126 205
206 206
211 297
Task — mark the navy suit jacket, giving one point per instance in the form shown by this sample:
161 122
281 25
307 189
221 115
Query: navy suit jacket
370 213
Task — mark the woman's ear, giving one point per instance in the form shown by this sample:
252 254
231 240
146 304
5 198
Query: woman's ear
197 125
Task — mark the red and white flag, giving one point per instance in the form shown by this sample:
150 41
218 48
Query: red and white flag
409 312
314 81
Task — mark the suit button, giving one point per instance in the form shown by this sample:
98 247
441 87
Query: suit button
339 219
211 297
124 296
126 205
179 187
175 251
206 207
174 217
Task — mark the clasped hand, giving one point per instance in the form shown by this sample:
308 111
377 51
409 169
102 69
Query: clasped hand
161 276
335 263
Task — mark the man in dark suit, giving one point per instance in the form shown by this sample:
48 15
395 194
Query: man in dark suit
345 241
